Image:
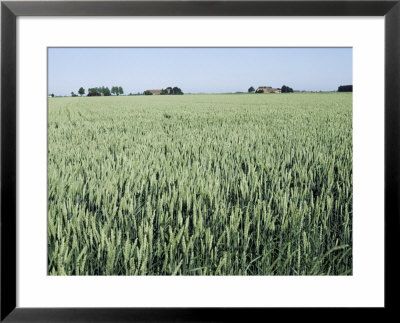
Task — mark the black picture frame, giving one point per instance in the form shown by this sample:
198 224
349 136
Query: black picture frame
10 10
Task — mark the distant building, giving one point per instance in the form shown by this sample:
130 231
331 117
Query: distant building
267 89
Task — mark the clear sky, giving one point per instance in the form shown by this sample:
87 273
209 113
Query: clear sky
198 70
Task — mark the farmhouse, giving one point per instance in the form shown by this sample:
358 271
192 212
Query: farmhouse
168 90
154 92
267 89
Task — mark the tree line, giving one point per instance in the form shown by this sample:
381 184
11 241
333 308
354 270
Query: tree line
168 91
283 89
117 90
171 91
100 91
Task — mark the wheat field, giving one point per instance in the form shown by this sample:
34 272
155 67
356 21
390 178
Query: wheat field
228 184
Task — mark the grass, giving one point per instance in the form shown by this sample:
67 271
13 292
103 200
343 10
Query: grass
200 185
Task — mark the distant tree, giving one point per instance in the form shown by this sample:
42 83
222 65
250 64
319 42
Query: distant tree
286 89
52 95
147 92
81 91
345 88
251 89
93 91
73 94
106 91
114 90
177 91
171 91
117 90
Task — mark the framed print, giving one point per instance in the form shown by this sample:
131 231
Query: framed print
198 160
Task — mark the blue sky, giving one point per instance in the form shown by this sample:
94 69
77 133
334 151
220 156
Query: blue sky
198 70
